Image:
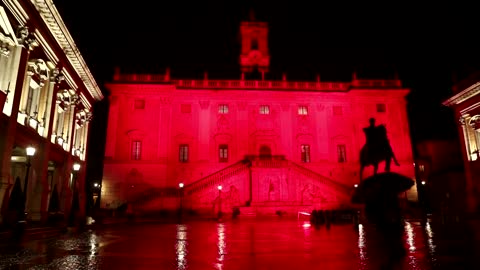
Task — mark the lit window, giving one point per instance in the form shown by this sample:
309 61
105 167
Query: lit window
305 149
341 153
337 110
183 153
264 109
186 108
136 150
381 108
223 109
139 104
302 110
223 153
421 168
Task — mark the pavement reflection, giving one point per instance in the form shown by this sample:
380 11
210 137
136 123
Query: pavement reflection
244 244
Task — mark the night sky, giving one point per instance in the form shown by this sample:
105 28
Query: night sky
428 45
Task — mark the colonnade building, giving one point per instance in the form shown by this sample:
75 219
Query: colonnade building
46 98
258 145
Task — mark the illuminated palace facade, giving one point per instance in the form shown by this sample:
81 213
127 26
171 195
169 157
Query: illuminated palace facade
465 103
46 97
263 146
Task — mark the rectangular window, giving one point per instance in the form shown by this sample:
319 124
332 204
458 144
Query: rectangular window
341 153
264 109
305 149
381 108
183 153
136 150
223 153
223 109
139 104
186 108
302 110
337 110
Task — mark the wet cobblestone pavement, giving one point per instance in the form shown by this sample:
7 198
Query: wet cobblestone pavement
274 244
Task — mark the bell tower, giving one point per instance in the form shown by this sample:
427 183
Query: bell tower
254 56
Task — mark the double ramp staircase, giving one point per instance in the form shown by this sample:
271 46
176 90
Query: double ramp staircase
243 167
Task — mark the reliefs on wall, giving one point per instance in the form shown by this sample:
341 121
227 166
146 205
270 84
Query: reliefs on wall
317 196
475 122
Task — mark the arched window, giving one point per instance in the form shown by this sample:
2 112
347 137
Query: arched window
265 151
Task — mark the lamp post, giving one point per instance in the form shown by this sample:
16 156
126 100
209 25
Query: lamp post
180 209
75 203
30 153
220 201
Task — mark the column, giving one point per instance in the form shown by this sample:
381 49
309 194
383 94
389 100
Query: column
7 137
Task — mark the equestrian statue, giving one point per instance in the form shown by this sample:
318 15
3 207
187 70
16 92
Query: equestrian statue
377 148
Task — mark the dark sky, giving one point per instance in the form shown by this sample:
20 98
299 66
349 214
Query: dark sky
426 44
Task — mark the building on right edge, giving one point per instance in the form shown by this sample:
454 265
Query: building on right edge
466 105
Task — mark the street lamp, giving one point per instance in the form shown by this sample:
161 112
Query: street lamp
219 201
75 200
30 153
180 209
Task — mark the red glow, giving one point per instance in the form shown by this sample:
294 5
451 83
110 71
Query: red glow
271 145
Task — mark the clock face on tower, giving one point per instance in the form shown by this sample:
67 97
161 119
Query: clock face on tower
255 56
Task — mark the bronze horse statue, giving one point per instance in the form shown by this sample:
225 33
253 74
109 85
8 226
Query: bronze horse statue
376 151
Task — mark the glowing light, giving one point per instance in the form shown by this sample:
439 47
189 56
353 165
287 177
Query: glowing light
180 185
431 246
30 151
76 167
410 236
181 246
220 187
221 244
356 185
361 242
423 182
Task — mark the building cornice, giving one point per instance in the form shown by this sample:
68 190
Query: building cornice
55 25
463 95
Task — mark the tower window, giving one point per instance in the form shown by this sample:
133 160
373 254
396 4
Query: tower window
186 108
136 150
302 110
381 108
305 149
139 104
223 109
264 109
341 153
254 44
183 153
223 153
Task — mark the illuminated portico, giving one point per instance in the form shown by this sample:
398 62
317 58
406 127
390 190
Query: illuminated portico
48 95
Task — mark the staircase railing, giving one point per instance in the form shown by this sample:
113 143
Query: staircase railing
344 189
217 177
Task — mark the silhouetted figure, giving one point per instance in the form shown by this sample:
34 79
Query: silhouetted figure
377 148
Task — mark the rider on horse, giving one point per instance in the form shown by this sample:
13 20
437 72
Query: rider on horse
377 144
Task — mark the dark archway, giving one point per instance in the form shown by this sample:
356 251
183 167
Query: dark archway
265 151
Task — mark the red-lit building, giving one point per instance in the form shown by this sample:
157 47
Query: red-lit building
270 145
46 98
